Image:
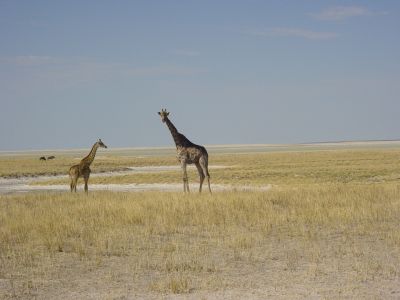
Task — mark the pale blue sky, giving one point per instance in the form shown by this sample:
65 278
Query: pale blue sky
228 71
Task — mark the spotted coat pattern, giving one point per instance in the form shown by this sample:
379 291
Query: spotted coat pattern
188 153
83 168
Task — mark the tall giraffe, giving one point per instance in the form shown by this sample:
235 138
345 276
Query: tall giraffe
188 153
83 168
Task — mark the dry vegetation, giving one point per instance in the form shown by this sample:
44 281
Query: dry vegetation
329 228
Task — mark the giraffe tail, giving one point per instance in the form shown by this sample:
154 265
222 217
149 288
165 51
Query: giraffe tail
205 170
208 174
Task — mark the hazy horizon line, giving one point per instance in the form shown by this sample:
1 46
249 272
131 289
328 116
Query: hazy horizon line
209 145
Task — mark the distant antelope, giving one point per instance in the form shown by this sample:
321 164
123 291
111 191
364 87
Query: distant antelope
51 157
188 153
83 168
42 158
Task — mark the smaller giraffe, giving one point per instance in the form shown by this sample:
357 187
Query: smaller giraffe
83 168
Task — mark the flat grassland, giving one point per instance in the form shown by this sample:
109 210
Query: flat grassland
328 228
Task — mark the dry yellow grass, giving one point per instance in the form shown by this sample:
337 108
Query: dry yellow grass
328 229
172 243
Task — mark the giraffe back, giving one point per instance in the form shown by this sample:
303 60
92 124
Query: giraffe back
191 154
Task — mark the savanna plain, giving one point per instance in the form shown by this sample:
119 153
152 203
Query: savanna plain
328 227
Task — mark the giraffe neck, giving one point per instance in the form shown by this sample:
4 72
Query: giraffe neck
89 159
174 132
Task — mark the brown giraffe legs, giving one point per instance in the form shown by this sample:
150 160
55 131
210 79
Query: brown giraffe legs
86 179
86 184
201 175
185 178
208 181
73 174
204 166
74 182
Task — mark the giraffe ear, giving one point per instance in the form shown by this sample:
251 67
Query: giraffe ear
159 113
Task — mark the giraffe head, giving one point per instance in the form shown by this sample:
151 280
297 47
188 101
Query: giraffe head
164 114
101 144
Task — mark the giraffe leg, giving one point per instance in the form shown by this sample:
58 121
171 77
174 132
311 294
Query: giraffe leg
86 185
208 181
74 175
201 175
86 178
74 184
204 165
185 178
71 186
